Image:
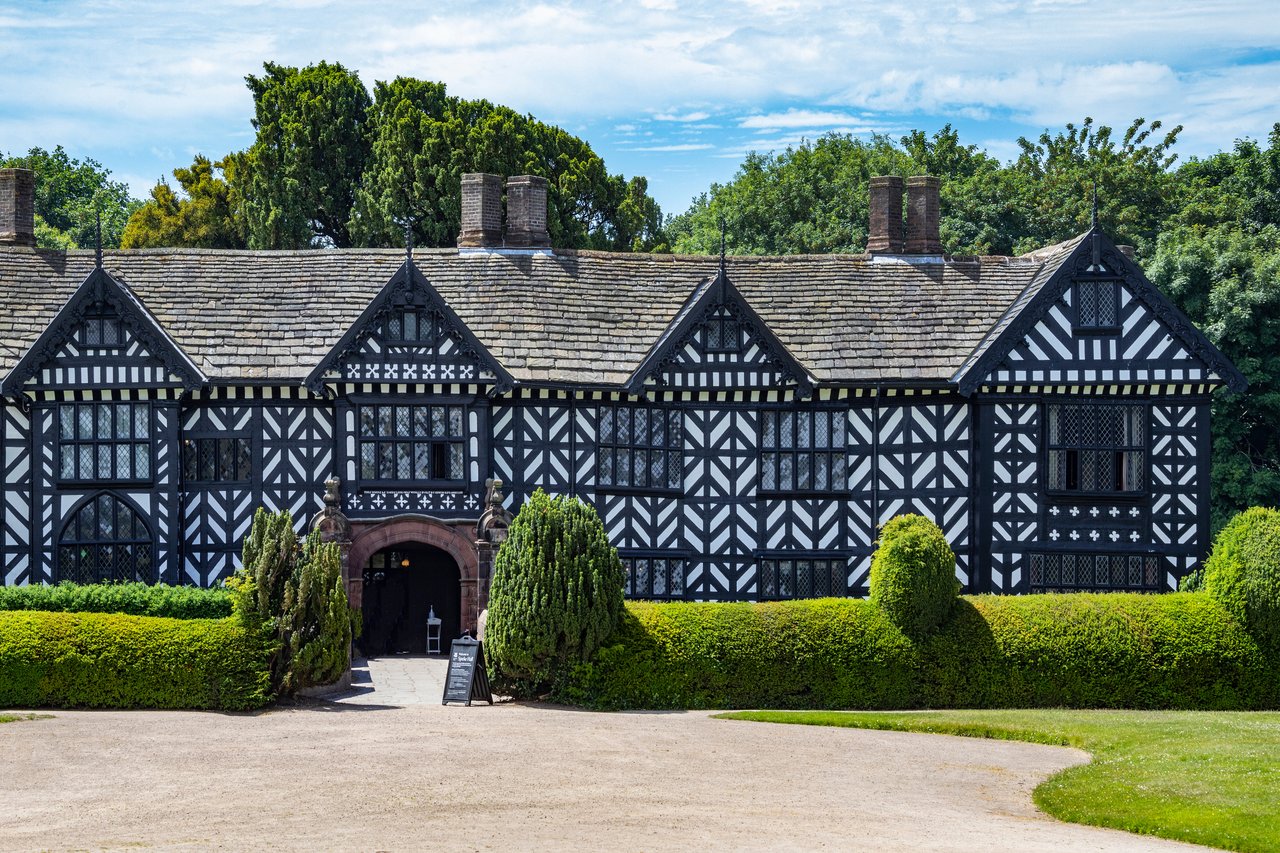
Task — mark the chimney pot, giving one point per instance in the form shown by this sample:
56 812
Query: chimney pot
923 236
884 231
527 213
17 207
481 211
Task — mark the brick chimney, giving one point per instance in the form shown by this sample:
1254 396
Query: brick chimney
527 213
922 215
17 207
885 225
481 211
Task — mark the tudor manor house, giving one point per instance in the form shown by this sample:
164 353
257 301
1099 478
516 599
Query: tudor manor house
742 425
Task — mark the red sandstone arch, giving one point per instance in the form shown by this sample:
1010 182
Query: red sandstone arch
455 540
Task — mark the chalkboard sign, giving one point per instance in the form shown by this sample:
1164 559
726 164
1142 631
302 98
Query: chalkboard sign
467 677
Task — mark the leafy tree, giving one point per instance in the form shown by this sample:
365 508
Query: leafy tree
205 216
301 172
69 194
422 141
1053 182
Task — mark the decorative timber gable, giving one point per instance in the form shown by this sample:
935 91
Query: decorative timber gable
409 334
103 338
718 342
1095 321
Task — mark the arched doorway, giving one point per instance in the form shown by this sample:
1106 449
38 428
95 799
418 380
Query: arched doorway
403 585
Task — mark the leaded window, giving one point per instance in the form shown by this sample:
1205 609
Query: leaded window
1097 304
217 460
1097 447
413 325
653 577
102 441
400 442
722 333
639 447
105 541
802 451
101 332
1067 572
803 577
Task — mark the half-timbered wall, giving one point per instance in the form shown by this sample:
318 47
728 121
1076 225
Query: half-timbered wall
15 440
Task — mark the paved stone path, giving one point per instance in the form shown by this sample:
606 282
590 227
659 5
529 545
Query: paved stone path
398 680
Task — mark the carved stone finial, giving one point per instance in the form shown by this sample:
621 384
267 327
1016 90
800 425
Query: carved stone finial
330 522
494 521
97 252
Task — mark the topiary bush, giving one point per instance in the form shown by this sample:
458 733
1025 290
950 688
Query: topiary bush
913 575
107 660
291 594
135 599
556 595
1243 573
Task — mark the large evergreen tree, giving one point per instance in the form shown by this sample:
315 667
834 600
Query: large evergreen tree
206 216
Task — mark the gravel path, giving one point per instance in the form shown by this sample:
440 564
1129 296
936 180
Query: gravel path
366 773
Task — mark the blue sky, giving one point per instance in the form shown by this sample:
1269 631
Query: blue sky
677 91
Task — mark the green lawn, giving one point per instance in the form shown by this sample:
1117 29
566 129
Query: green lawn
1206 777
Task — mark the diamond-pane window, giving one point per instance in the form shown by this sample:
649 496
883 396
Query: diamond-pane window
105 541
639 447
802 577
1094 447
650 576
1097 304
802 450
408 443
104 441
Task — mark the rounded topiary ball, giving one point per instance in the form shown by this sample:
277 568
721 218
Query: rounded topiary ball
1243 573
913 575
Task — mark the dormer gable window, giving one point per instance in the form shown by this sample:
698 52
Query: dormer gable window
1097 303
101 332
723 333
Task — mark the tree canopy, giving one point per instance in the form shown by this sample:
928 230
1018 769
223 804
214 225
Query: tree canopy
69 195
333 165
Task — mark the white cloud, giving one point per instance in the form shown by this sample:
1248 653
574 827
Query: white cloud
798 118
687 117
687 146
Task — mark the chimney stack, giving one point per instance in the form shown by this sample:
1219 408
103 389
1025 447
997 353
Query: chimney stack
17 207
922 216
527 213
481 211
885 226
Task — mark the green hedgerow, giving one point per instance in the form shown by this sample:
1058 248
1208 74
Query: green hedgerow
135 599
556 594
1243 573
913 575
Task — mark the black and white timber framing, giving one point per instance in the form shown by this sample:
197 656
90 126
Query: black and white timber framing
742 430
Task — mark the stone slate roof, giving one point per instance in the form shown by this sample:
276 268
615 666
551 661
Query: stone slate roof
580 317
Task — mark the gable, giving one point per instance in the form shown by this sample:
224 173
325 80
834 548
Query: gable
103 337
718 342
408 334
1098 321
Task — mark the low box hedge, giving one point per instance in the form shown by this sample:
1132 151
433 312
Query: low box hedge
100 660
1083 650
137 599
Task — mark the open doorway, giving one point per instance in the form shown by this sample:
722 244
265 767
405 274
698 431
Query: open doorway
402 585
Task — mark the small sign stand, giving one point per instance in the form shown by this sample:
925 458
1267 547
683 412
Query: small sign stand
467 678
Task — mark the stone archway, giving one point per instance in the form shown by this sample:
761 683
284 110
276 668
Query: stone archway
455 540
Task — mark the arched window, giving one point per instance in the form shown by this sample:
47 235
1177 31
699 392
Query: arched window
105 541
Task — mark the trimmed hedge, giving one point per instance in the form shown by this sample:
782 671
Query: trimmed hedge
99 660
1181 650
137 599
1243 573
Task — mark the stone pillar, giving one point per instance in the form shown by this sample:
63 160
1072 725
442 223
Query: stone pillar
17 207
527 213
481 211
334 527
884 225
491 532
923 236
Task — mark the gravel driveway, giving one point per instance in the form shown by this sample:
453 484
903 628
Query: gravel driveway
368 774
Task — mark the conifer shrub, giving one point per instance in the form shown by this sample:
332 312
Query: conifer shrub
290 594
556 595
913 575
135 599
1243 573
